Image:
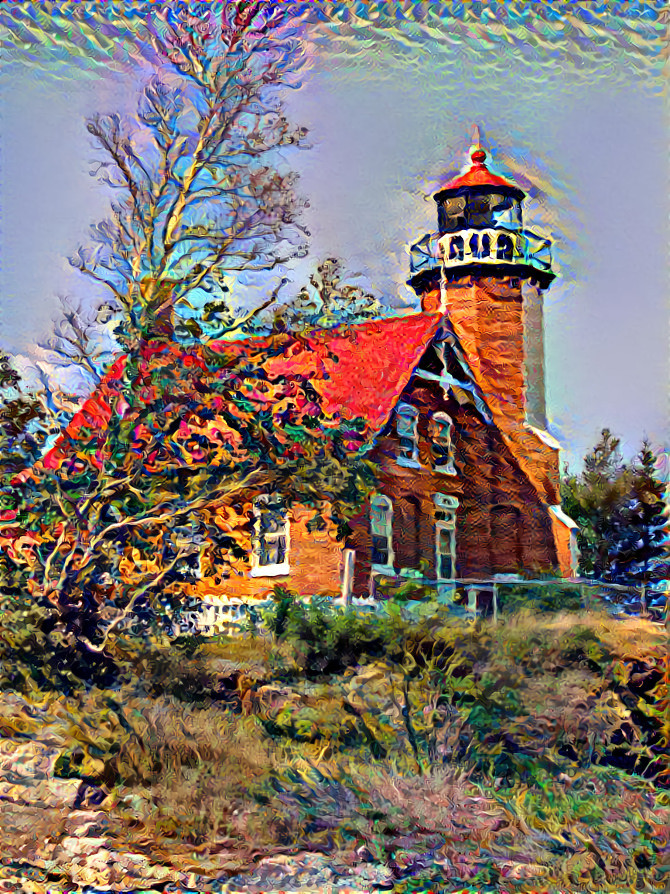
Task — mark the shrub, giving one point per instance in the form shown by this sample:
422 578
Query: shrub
550 597
324 638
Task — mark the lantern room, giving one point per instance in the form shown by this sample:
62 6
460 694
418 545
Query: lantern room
478 199
480 231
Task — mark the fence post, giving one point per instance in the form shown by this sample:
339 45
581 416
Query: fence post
495 603
348 562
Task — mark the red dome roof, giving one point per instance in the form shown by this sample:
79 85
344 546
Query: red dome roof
478 178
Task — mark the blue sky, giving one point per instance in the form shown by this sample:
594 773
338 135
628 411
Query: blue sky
577 106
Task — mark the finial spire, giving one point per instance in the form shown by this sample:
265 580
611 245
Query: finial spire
476 138
477 154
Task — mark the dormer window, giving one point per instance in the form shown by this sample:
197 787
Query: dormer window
270 543
441 428
407 418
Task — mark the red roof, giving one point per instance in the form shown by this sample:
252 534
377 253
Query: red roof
359 370
478 175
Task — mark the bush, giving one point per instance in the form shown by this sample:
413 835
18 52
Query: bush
324 638
550 597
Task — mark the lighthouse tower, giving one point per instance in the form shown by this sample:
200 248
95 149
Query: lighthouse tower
486 271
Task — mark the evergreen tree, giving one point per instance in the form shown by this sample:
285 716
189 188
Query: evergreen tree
596 500
643 538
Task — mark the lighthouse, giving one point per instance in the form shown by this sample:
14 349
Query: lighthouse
487 273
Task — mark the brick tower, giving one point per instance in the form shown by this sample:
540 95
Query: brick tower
487 273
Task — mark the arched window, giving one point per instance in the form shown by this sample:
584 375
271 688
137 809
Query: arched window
407 418
441 428
445 536
485 247
381 531
270 543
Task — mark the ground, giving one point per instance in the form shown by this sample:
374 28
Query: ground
351 753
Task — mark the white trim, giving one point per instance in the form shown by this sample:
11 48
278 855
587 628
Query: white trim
544 436
388 525
563 517
447 504
278 568
410 415
445 423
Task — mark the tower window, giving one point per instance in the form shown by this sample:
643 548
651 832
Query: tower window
456 248
407 418
381 531
445 536
270 543
441 429
505 248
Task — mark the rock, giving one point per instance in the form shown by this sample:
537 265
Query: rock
71 848
26 760
108 870
83 823
61 793
29 833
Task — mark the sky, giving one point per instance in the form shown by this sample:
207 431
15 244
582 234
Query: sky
572 106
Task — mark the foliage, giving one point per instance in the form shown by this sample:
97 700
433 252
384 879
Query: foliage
520 730
324 303
122 501
114 518
644 535
595 501
325 639
621 513
550 597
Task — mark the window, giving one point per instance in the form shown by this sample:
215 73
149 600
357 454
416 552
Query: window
505 248
406 427
270 543
445 536
456 248
381 530
442 446
188 542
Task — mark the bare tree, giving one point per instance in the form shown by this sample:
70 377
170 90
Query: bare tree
82 342
199 195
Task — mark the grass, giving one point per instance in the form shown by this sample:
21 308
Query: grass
524 755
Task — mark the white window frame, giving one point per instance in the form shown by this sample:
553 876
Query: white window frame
386 529
446 506
445 423
277 568
186 537
406 426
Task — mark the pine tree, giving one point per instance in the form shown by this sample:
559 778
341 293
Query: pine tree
596 500
643 537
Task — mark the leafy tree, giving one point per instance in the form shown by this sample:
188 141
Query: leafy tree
595 499
174 434
643 536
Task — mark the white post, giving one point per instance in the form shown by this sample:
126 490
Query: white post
348 563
